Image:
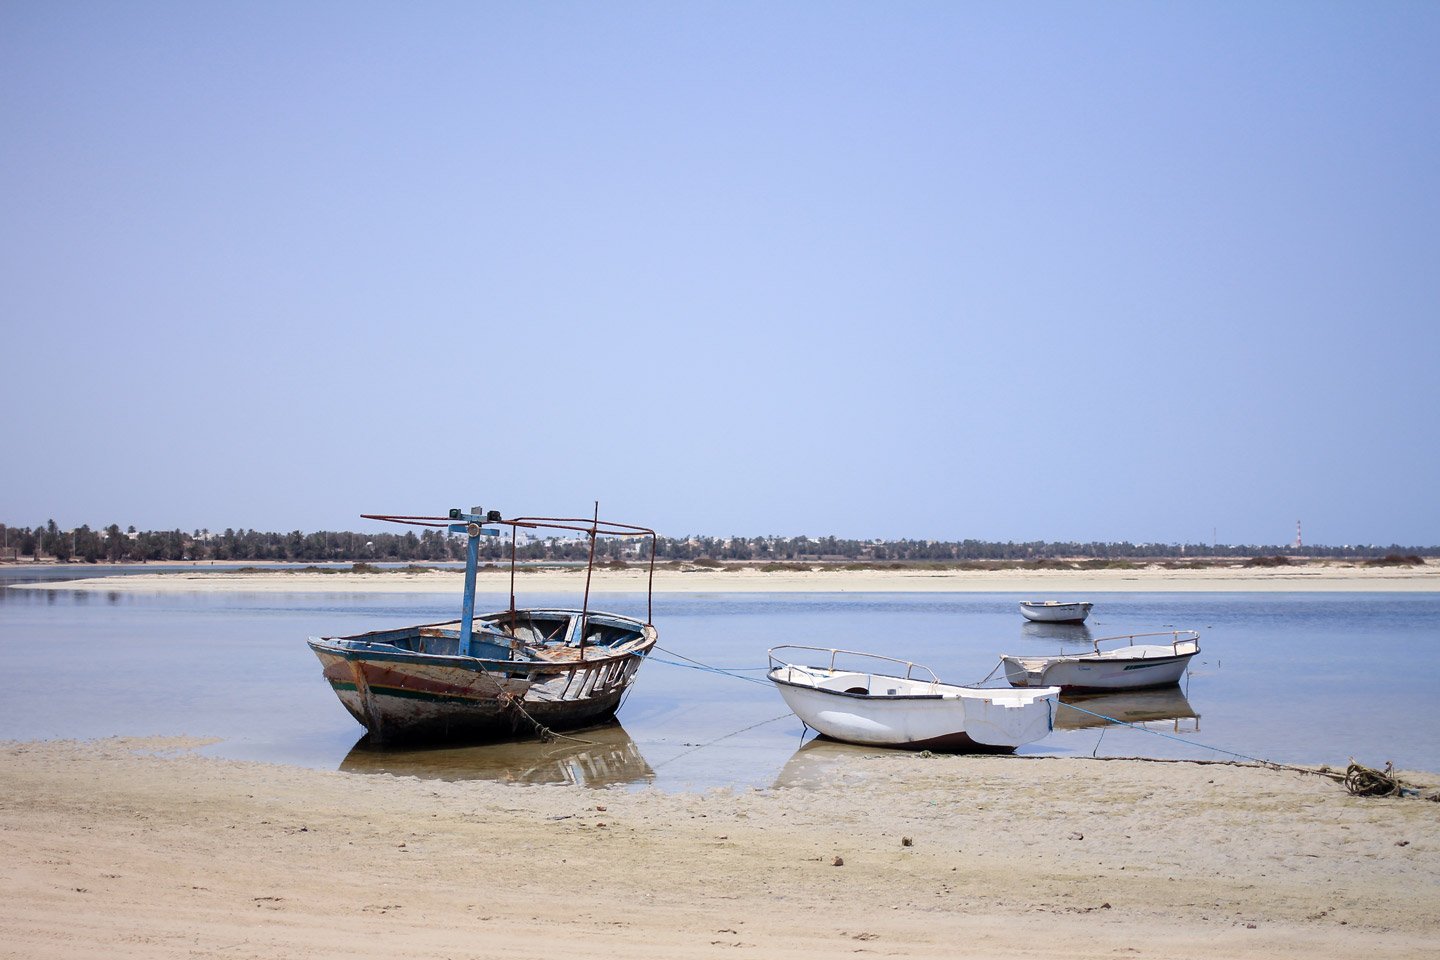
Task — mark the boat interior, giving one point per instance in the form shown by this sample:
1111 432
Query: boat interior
1125 647
879 686
553 636
1182 643
864 684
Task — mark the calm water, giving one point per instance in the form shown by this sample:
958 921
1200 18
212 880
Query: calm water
1298 678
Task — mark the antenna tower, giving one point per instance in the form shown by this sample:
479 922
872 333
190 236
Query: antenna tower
1298 545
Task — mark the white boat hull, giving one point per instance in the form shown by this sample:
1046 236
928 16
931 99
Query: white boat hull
912 714
1127 668
1051 611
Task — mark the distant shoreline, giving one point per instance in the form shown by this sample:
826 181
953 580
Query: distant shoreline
1312 576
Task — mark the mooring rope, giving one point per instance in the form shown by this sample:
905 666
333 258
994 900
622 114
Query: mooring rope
711 743
732 672
1192 743
1358 779
693 664
1363 781
510 700
986 679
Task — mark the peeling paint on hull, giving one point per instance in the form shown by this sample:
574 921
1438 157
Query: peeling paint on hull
399 694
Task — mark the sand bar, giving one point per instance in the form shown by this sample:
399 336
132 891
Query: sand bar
143 849
1314 576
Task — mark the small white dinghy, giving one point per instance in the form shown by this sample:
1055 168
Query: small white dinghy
1133 666
1055 611
895 708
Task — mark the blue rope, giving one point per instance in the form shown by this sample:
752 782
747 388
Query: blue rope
706 668
1189 743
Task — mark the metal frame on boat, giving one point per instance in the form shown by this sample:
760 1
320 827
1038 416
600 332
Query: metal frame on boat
1130 667
873 707
493 675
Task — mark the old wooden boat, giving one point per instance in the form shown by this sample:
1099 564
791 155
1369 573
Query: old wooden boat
510 673
1055 611
1128 666
874 700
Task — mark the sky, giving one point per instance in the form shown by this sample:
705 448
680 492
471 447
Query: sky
1114 271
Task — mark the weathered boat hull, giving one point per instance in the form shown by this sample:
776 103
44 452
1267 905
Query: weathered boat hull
951 719
403 695
1052 612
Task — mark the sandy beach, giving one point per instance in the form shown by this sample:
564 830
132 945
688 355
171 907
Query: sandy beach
1312 576
141 848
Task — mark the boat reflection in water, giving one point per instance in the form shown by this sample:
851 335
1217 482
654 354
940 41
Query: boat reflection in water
595 757
1167 705
821 762
1064 632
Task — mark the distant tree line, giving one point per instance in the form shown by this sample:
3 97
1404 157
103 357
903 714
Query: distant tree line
114 545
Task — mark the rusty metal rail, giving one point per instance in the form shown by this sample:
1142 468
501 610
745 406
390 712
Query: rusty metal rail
592 527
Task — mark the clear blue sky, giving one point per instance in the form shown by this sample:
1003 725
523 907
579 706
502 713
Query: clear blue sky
1104 271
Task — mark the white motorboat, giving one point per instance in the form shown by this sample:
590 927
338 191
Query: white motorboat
1132 666
883 703
1055 611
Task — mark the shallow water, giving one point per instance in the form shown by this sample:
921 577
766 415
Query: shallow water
1295 678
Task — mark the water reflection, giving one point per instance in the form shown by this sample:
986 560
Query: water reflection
598 757
1064 632
825 762
167 662
1167 705
822 762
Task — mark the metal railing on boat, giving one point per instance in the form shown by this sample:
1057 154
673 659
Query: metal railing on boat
835 653
1177 637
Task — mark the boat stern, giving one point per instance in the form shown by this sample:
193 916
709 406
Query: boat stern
1011 718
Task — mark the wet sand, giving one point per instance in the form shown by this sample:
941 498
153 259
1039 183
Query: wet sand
1044 584
141 848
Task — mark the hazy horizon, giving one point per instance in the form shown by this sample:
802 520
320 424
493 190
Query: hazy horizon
1095 273
368 528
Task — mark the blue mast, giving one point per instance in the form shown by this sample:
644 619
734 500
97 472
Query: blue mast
473 531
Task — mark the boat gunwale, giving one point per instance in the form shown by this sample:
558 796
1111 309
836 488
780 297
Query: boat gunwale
474 664
1092 658
486 618
961 692
852 695
971 693
639 647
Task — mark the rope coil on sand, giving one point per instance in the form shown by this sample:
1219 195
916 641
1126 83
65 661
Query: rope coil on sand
1363 781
